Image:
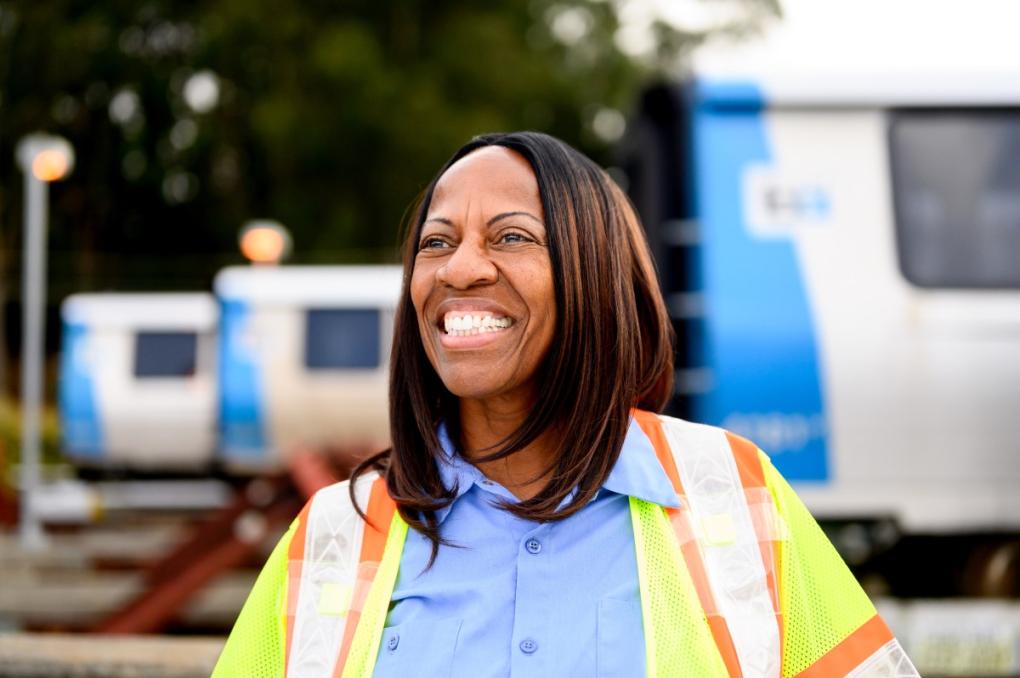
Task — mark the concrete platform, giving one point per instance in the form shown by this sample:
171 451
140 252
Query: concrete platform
83 576
75 600
25 655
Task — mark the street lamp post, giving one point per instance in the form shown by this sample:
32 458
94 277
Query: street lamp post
43 158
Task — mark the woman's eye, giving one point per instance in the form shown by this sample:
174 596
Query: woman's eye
513 237
432 244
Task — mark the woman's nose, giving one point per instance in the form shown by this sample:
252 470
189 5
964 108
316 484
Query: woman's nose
469 265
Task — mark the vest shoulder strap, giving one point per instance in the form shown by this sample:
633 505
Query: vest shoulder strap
332 562
719 526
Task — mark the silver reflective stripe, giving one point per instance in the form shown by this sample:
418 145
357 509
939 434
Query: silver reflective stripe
729 545
328 574
889 661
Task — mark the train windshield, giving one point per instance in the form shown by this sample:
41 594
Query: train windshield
165 354
342 338
956 190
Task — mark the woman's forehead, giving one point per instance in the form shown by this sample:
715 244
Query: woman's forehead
493 170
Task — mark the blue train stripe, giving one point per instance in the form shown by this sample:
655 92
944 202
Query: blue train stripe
242 425
759 336
81 431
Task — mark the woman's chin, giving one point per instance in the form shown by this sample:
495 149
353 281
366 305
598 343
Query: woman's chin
472 391
471 387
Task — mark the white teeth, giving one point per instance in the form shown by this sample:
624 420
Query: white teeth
469 324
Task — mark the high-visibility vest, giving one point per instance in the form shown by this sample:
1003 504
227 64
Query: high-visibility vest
739 581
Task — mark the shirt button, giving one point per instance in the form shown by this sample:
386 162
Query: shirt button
534 546
528 646
392 643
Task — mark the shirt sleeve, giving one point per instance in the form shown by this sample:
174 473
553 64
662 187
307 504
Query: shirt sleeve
829 626
256 645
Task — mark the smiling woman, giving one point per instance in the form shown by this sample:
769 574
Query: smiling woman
494 239
534 516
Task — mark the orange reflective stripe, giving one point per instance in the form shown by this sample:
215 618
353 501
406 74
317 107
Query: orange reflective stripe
295 558
696 567
752 477
724 641
745 453
680 520
853 650
380 514
652 427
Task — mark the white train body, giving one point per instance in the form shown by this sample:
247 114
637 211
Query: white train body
138 380
911 278
304 360
842 259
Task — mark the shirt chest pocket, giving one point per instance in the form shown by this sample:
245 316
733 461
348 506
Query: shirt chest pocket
621 641
418 648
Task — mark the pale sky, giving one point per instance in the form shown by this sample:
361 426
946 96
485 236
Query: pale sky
972 36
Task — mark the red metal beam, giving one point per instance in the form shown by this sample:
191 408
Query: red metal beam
257 494
199 560
220 544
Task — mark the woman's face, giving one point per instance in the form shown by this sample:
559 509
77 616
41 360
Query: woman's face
482 284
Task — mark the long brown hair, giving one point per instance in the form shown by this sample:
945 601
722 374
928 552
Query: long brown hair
613 348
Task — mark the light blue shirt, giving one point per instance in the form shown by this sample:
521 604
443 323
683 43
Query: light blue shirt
525 599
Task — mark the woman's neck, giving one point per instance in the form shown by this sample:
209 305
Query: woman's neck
484 425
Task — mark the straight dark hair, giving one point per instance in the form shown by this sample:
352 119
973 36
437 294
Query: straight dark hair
613 349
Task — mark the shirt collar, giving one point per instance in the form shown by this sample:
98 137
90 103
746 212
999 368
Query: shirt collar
457 473
637 472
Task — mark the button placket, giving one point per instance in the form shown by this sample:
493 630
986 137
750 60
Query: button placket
531 656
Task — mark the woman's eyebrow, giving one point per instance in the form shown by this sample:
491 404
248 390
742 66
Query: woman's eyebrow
504 215
493 220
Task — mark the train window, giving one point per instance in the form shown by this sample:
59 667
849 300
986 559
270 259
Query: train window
956 191
165 354
342 339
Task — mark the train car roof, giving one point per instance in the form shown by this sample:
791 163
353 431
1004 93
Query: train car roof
858 90
149 310
372 286
870 53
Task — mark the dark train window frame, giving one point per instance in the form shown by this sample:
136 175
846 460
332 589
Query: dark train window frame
150 353
907 229
369 357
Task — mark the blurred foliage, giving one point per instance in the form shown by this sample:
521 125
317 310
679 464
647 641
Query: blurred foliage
10 440
190 118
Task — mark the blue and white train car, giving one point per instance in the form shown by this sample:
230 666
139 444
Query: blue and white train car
304 360
137 383
842 259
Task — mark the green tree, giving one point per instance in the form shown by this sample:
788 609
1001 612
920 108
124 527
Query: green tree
191 117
